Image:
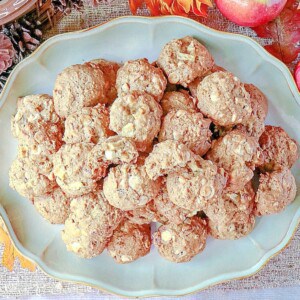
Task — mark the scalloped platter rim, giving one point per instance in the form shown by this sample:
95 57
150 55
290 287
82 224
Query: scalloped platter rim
130 38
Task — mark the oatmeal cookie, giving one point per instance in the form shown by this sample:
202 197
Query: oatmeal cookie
88 125
188 128
53 206
78 86
223 98
276 190
109 69
231 215
195 185
145 214
140 76
24 177
114 150
39 156
237 153
166 157
130 242
255 124
128 187
73 173
181 242
137 116
194 84
168 211
90 224
37 122
184 59
279 150
178 100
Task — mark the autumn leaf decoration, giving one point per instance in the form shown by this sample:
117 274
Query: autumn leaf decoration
10 254
172 7
284 32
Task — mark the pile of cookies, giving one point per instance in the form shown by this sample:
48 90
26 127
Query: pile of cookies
177 142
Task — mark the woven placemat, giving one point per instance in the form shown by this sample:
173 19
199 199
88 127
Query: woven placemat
282 271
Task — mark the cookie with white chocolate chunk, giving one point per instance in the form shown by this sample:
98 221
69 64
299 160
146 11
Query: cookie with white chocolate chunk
88 125
196 185
90 224
73 172
114 150
188 128
180 243
128 187
136 116
140 76
184 59
223 98
276 190
129 242
36 122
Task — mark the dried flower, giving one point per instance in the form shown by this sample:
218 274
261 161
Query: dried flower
10 254
172 7
7 53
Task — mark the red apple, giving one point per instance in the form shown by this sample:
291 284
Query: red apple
297 75
250 12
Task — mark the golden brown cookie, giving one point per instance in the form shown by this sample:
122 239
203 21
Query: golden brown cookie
223 98
195 185
136 116
188 128
279 150
90 224
129 242
78 86
238 154
184 59
276 190
194 84
178 100
88 125
231 215
114 150
255 124
168 211
109 69
39 156
53 206
37 122
145 214
128 187
180 243
73 173
25 178
166 157
140 76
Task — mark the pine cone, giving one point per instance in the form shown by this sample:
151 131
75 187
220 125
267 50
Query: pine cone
7 53
66 6
25 34
3 77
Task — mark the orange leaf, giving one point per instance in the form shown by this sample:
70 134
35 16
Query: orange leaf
153 6
135 4
185 4
167 2
178 9
10 254
206 2
172 7
201 11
